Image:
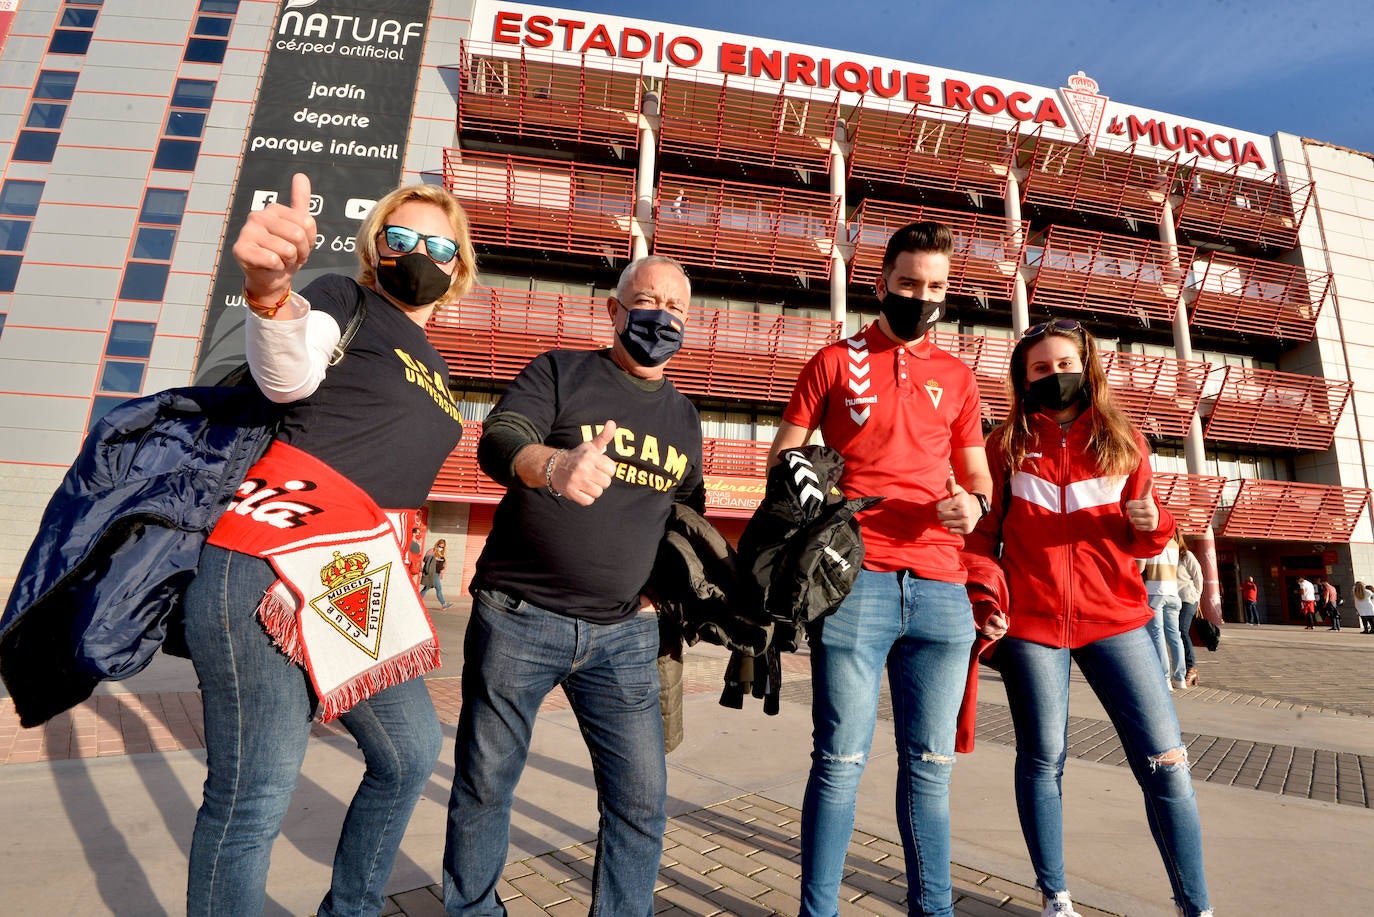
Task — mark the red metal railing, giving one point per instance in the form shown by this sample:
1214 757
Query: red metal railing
737 118
990 360
1110 183
493 333
986 257
545 93
908 147
1191 498
732 225
1159 394
1289 511
544 204
1277 409
1099 273
1238 208
1261 297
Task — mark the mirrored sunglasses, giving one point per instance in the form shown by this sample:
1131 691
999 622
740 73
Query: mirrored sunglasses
1058 324
402 239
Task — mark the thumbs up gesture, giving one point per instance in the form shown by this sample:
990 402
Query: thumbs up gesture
275 242
959 511
582 474
1142 511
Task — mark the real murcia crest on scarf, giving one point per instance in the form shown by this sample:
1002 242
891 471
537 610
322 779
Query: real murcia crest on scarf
354 600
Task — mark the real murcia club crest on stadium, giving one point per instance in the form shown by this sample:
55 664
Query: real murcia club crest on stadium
354 599
1086 105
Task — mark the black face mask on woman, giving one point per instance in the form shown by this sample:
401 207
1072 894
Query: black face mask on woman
1056 392
413 279
651 336
909 317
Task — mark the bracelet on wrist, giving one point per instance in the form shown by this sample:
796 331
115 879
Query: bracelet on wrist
265 311
548 472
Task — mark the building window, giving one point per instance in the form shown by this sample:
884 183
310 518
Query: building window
145 275
37 140
74 30
130 339
210 34
179 147
3 315
18 204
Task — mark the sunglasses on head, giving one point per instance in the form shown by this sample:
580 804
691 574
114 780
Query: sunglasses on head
402 239
1058 324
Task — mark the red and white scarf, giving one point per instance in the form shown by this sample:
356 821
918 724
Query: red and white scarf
345 607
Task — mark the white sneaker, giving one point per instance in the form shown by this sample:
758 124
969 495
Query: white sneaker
1178 684
1060 905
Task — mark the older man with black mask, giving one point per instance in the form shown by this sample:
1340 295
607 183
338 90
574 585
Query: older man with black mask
594 447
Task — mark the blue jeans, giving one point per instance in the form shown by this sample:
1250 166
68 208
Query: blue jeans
1124 673
922 629
514 654
1187 611
258 707
1163 630
1252 613
438 591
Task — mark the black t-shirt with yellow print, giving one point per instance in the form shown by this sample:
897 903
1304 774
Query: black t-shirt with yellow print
591 562
383 417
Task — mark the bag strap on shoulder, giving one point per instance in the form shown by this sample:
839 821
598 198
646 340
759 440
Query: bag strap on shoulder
350 331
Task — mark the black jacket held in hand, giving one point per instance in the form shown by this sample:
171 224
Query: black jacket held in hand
798 558
800 553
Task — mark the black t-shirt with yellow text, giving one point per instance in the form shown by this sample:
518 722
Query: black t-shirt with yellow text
383 417
591 562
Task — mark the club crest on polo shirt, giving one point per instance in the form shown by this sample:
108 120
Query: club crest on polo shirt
935 391
354 599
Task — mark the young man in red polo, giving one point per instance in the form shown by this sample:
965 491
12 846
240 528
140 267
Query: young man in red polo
905 415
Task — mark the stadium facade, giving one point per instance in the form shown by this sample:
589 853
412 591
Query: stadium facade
1229 274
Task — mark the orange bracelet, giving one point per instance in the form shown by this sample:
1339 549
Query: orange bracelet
262 311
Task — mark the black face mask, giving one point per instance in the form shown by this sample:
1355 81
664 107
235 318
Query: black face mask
651 336
413 279
908 317
1056 392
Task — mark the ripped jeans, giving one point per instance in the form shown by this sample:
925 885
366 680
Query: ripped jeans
1124 673
922 630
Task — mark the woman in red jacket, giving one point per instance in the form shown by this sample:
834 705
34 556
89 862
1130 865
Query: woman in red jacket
1075 505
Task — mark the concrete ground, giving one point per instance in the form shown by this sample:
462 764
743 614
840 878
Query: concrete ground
97 806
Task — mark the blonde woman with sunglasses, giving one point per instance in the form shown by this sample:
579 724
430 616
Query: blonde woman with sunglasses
1073 506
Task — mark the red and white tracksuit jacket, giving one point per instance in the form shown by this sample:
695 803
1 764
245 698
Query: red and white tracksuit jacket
1069 548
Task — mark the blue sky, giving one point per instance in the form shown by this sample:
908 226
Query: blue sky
1306 68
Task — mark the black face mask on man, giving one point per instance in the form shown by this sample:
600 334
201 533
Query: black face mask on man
1056 392
413 279
651 336
909 317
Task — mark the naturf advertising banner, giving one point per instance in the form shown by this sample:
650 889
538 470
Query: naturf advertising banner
335 103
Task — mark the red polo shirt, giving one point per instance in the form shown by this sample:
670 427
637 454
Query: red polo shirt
896 414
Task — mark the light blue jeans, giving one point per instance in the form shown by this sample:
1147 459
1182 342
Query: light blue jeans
1124 673
922 630
514 654
1167 639
257 725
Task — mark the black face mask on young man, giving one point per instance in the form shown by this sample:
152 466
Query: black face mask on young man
909 317
413 279
1056 392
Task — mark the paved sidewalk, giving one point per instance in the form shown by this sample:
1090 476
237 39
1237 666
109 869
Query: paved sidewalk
98 804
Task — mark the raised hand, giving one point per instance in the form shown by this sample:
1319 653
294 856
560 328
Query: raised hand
1142 511
275 242
583 473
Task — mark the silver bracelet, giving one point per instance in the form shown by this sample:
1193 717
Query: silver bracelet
548 472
